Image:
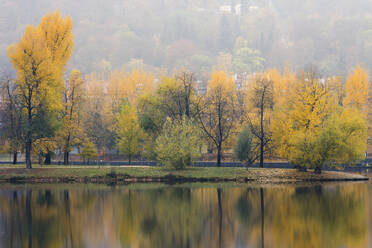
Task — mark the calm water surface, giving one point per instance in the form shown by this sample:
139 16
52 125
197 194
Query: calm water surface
328 215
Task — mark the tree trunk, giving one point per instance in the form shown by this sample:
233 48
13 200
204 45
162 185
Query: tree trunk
66 156
28 154
262 137
15 157
130 158
219 156
29 133
48 159
262 218
219 192
261 155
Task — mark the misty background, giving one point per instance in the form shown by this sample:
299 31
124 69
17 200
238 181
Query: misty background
242 36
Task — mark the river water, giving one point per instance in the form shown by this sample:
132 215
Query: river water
192 215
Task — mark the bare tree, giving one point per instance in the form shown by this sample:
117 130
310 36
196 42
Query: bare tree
258 117
217 116
11 116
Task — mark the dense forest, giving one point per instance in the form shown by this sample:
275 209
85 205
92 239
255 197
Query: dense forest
248 35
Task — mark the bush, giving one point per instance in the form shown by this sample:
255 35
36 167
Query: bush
243 149
178 144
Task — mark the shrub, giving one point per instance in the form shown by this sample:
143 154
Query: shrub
178 144
243 149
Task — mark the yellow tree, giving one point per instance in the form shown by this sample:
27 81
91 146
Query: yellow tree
137 83
39 59
57 32
33 63
128 131
122 87
356 90
72 134
218 115
301 116
311 130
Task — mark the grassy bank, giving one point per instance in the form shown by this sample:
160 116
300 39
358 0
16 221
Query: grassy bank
59 174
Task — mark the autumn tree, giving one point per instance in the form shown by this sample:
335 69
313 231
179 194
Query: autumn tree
58 35
342 139
304 114
217 116
311 130
72 132
11 120
175 97
178 144
129 132
89 151
97 120
260 101
39 59
357 93
356 90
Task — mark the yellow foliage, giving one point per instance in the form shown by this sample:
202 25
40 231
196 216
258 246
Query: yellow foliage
59 38
356 90
36 73
221 81
138 83
39 59
128 131
72 132
310 129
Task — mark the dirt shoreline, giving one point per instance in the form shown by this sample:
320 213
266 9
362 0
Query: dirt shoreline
151 175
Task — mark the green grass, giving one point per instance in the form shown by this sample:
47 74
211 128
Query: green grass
90 171
80 172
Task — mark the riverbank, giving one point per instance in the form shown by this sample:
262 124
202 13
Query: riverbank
67 174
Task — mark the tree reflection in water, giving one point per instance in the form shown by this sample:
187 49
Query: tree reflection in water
185 216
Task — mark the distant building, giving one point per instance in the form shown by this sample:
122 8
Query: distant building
242 80
201 87
226 8
253 8
238 9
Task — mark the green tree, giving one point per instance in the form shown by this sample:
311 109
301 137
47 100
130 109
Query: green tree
175 98
341 140
244 149
247 60
89 151
178 144
129 132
